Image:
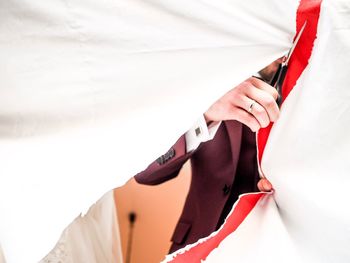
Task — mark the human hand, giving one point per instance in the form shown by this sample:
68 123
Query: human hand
253 103
264 185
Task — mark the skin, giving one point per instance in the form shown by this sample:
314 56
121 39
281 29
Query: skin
235 104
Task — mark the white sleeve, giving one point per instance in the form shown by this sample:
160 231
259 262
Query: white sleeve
199 133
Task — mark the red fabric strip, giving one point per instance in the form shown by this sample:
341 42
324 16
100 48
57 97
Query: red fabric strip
243 207
308 10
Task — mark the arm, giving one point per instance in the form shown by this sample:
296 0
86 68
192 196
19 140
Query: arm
237 104
169 164
166 166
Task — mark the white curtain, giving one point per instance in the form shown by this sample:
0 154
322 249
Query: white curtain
93 91
90 238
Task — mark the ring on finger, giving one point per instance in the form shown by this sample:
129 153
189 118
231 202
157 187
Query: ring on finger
251 106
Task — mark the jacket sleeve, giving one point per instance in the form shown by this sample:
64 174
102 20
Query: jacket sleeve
166 166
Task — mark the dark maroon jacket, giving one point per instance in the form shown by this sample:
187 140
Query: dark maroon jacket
222 169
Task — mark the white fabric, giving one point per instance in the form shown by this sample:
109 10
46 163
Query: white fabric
91 238
200 132
2 257
79 80
307 160
307 156
252 241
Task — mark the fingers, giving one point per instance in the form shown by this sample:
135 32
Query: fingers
264 86
264 185
246 118
264 98
251 103
255 109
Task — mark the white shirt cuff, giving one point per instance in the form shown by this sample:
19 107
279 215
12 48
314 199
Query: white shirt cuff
199 133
